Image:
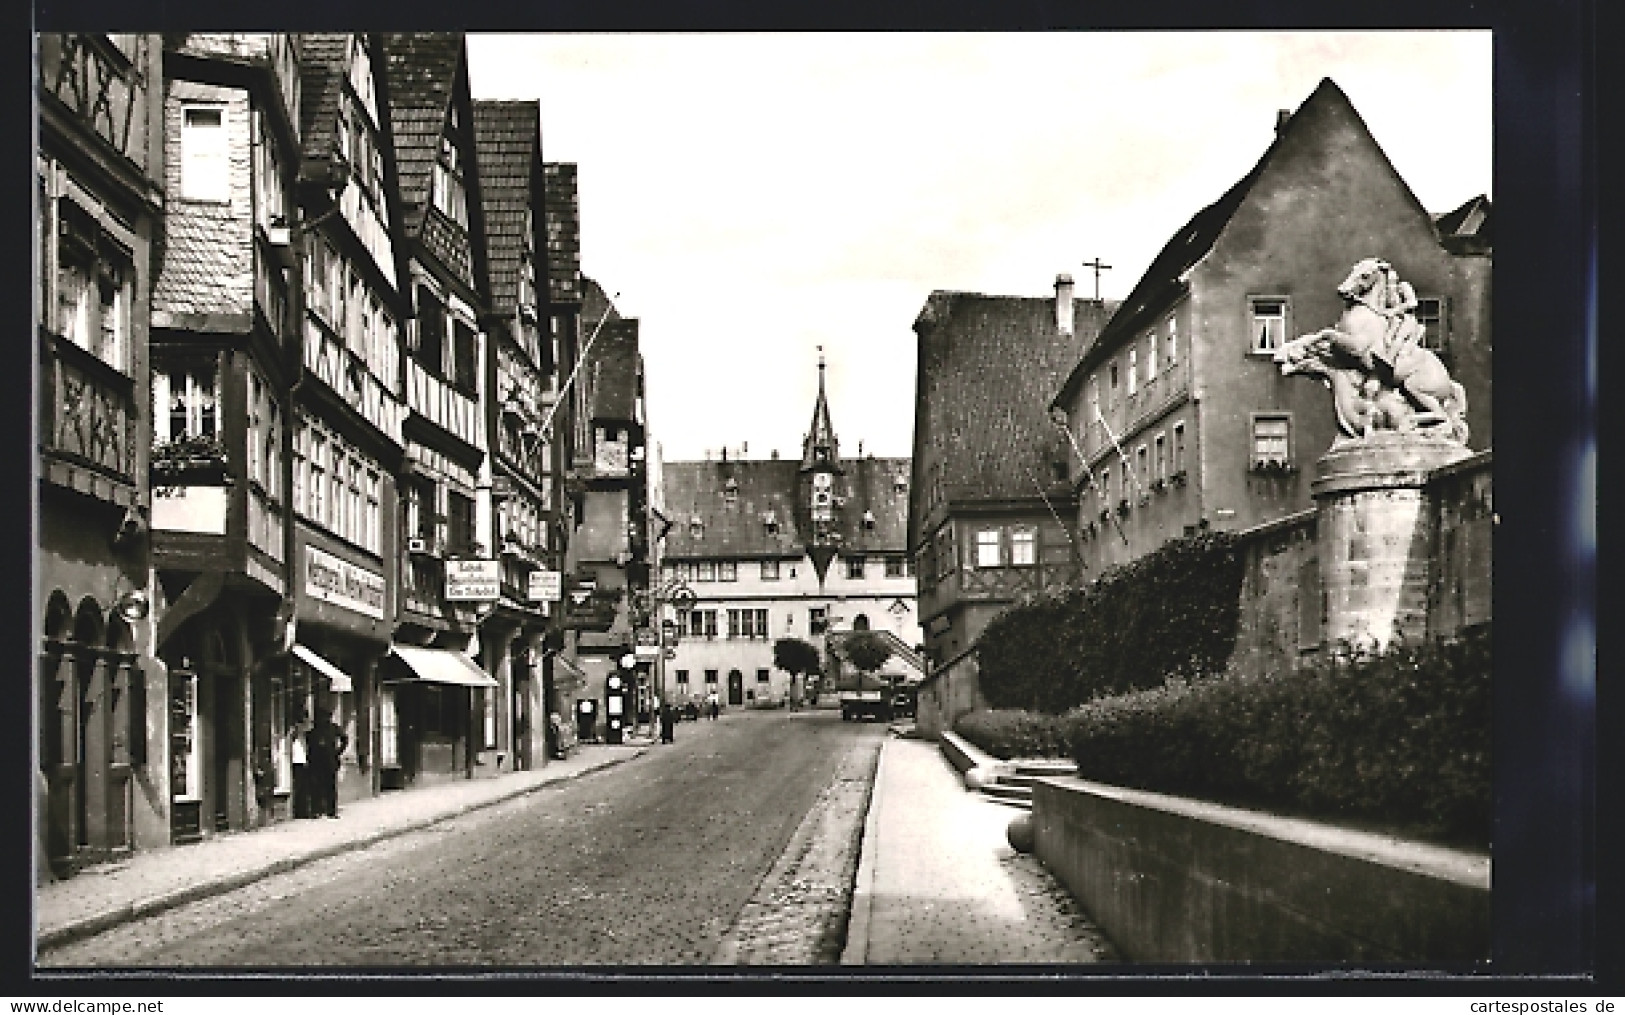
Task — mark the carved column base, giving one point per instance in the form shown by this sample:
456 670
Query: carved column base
1376 537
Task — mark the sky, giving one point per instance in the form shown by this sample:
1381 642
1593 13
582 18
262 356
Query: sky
752 198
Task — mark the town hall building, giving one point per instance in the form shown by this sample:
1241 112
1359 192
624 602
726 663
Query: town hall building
784 548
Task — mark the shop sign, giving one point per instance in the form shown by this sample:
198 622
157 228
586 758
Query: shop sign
546 586
473 581
341 583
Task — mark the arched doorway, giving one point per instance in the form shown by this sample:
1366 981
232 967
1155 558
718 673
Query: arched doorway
736 687
860 622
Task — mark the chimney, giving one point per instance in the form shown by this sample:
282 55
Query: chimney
1281 117
774 454
1063 304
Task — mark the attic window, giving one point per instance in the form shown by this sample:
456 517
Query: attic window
899 483
730 490
770 521
869 520
696 526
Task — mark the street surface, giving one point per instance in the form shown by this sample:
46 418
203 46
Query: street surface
736 844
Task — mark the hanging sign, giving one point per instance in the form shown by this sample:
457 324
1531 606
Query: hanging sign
473 581
546 586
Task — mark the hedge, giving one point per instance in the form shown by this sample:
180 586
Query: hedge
1170 614
1015 733
1401 740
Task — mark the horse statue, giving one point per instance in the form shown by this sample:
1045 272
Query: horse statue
1380 376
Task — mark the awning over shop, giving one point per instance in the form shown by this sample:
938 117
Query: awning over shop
442 666
341 680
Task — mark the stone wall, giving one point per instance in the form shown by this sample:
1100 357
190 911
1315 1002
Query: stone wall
947 694
1283 601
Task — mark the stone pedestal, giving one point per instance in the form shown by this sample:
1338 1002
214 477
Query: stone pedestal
1376 536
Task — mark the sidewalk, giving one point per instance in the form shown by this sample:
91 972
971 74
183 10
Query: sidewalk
102 897
938 883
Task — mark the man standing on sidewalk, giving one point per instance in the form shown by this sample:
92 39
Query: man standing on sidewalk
324 746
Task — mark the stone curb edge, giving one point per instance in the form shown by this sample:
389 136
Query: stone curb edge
97 923
863 898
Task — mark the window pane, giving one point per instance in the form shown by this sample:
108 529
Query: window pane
1023 547
987 548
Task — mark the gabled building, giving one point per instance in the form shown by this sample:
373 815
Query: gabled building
1183 416
783 547
348 401
224 357
100 692
521 380
446 711
991 510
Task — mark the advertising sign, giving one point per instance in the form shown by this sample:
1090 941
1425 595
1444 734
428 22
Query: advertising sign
473 581
546 586
341 583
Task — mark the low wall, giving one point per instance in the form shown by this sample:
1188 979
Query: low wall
947 694
1175 880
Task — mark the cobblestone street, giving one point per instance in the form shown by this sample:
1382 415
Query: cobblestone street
647 863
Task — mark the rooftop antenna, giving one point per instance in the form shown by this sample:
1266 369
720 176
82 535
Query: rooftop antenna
1098 268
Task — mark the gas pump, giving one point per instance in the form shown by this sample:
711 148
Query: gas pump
586 715
615 702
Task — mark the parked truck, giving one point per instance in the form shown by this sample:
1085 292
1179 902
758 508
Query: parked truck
865 696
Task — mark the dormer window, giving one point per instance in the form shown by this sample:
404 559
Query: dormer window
696 526
869 520
730 491
770 522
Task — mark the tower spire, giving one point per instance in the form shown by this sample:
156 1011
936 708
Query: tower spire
821 447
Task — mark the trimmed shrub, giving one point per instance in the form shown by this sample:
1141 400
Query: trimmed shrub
1400 740
1169 614
1015 733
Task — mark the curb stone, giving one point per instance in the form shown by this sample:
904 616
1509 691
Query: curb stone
858 918
97 923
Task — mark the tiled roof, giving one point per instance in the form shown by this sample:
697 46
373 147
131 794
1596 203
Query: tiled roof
613 364
508 137
988 367
422 71
206 267
562 221
1165 278
321 75
737 527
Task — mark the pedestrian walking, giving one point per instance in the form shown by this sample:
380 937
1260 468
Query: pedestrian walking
713 703
324 746
299 757
668 723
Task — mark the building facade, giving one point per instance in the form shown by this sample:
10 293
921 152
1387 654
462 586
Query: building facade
224 341
439 709
522 381
991 512
785 548
1179 408
100 690
349 398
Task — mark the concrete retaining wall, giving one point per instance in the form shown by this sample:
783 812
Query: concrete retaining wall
1175 880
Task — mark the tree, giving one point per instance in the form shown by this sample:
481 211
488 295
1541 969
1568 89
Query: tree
866 650
796 657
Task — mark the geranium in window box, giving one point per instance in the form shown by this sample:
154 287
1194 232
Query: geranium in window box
190 458
1274 467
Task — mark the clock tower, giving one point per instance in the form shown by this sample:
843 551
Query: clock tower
819 501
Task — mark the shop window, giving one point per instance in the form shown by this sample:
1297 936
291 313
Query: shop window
488 708
1269 322
389 725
